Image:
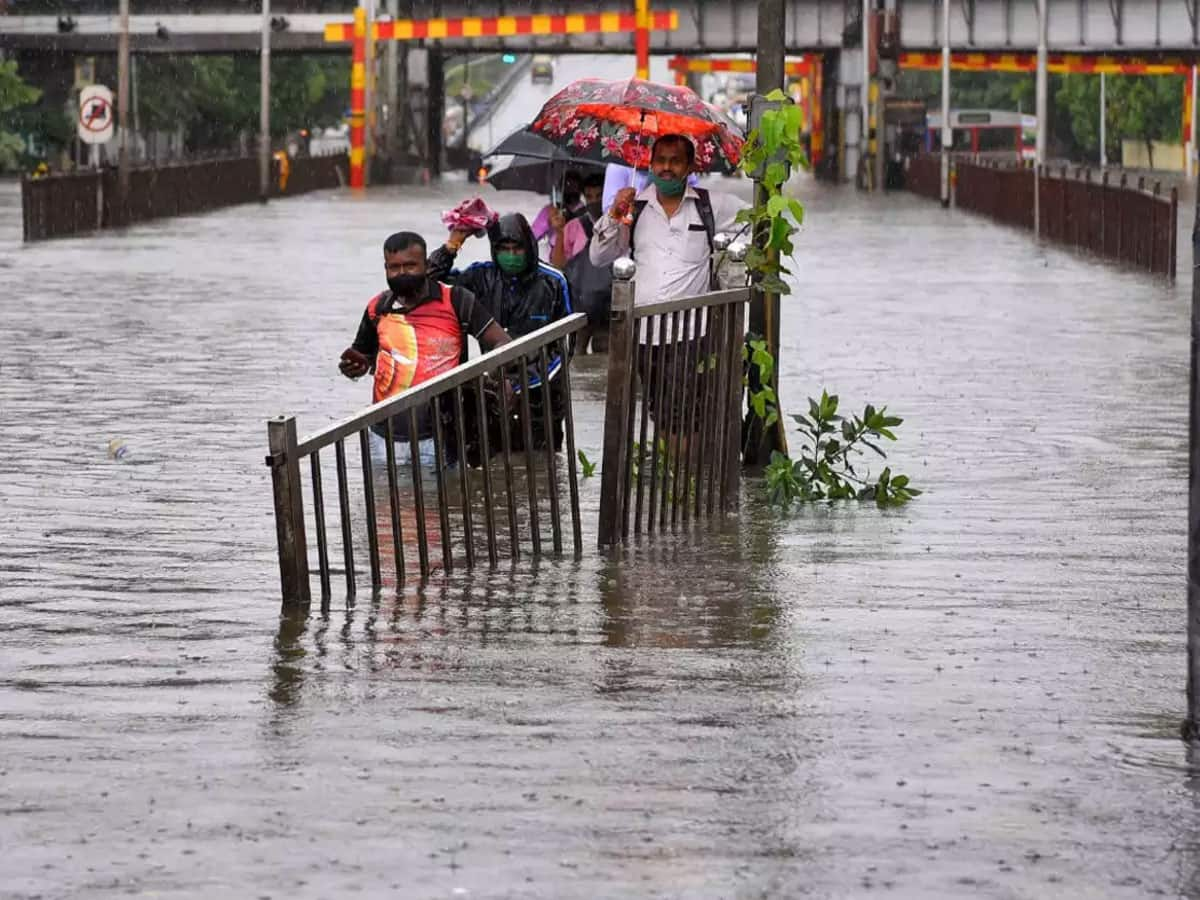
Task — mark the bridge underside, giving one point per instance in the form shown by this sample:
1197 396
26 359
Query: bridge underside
1143 27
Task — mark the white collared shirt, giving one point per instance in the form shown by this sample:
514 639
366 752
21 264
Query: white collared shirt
671 253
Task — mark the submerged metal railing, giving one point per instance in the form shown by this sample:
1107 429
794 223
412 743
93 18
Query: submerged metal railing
437 397
672 421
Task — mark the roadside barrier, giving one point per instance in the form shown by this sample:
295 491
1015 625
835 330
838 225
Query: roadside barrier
678 365
672 442
1132 223
446 401
81 202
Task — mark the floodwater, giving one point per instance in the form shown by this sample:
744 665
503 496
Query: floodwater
976 695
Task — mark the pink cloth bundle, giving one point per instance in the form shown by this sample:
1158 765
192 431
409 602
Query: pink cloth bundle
470 215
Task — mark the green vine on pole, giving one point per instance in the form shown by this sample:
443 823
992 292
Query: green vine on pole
771 151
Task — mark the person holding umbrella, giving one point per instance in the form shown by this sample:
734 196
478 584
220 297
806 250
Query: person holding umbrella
668 226
668 229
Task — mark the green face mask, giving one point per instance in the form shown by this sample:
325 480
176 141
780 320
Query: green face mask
510 263
669 187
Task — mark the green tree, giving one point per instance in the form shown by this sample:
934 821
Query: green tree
14 94
1147 108
214 99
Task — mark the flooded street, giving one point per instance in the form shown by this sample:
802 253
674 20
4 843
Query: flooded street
977 694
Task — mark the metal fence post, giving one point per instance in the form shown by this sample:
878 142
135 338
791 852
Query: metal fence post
289 510
1174 232
620 397
1192 723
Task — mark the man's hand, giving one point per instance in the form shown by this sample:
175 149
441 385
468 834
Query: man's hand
557 220
353 364
455 241
623 203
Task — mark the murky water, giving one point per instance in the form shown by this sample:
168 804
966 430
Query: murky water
976 695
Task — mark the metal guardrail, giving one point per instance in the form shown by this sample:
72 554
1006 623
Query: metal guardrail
433 397
80 202
1131 223
685 464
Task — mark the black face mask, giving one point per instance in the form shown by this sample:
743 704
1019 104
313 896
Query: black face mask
595 210
406 285
570 198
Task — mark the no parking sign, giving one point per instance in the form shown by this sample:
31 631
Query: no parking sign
95 114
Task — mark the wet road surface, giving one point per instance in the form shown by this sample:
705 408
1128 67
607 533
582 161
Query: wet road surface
976 695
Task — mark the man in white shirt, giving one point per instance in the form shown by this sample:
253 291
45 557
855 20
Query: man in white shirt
670 239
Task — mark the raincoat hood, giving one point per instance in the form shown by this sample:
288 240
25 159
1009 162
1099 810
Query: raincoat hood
515 227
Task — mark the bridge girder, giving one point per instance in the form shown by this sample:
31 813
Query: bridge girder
706 26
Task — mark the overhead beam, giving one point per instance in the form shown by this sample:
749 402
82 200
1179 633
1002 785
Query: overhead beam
505 26
1058 63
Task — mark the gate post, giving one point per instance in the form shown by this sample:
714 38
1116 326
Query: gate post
289 510
619 396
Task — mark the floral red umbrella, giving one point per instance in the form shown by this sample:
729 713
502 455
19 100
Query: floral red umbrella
617 121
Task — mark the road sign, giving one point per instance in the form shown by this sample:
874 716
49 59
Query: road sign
96 116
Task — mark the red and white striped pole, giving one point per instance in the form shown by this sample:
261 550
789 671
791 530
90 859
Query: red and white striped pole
641 38
358 111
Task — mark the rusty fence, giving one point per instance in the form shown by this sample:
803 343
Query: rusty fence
506 396
923 176
1119 219
76 203
672 421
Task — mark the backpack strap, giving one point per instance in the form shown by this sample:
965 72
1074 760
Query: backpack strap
638 206
373 306
589 227
703 206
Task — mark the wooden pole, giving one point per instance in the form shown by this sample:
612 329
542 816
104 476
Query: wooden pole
764 308
621 364
289 510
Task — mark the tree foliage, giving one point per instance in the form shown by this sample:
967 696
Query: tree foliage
1138 107
216 98
14 94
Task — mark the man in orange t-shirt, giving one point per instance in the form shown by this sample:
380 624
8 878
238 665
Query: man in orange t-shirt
415 330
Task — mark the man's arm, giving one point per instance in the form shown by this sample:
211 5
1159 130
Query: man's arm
359 358
440 264
558 255
610 241
494 336
725 208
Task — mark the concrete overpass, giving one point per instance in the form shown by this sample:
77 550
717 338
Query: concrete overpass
706 26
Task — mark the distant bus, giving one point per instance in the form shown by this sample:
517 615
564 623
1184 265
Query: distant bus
984 131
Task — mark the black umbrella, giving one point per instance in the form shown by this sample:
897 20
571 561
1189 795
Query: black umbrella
542 176
537 164
523 142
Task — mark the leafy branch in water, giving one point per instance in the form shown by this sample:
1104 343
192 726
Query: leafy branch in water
760 366
830 467
770 152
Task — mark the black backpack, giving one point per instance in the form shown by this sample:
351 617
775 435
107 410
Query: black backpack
591 286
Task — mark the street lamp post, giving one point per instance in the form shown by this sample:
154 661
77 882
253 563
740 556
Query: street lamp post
264 107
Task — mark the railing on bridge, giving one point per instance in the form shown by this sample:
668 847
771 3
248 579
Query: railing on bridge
672 422
455 396
61 205
1116 220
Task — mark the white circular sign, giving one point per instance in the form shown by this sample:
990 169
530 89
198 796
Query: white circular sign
96 115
